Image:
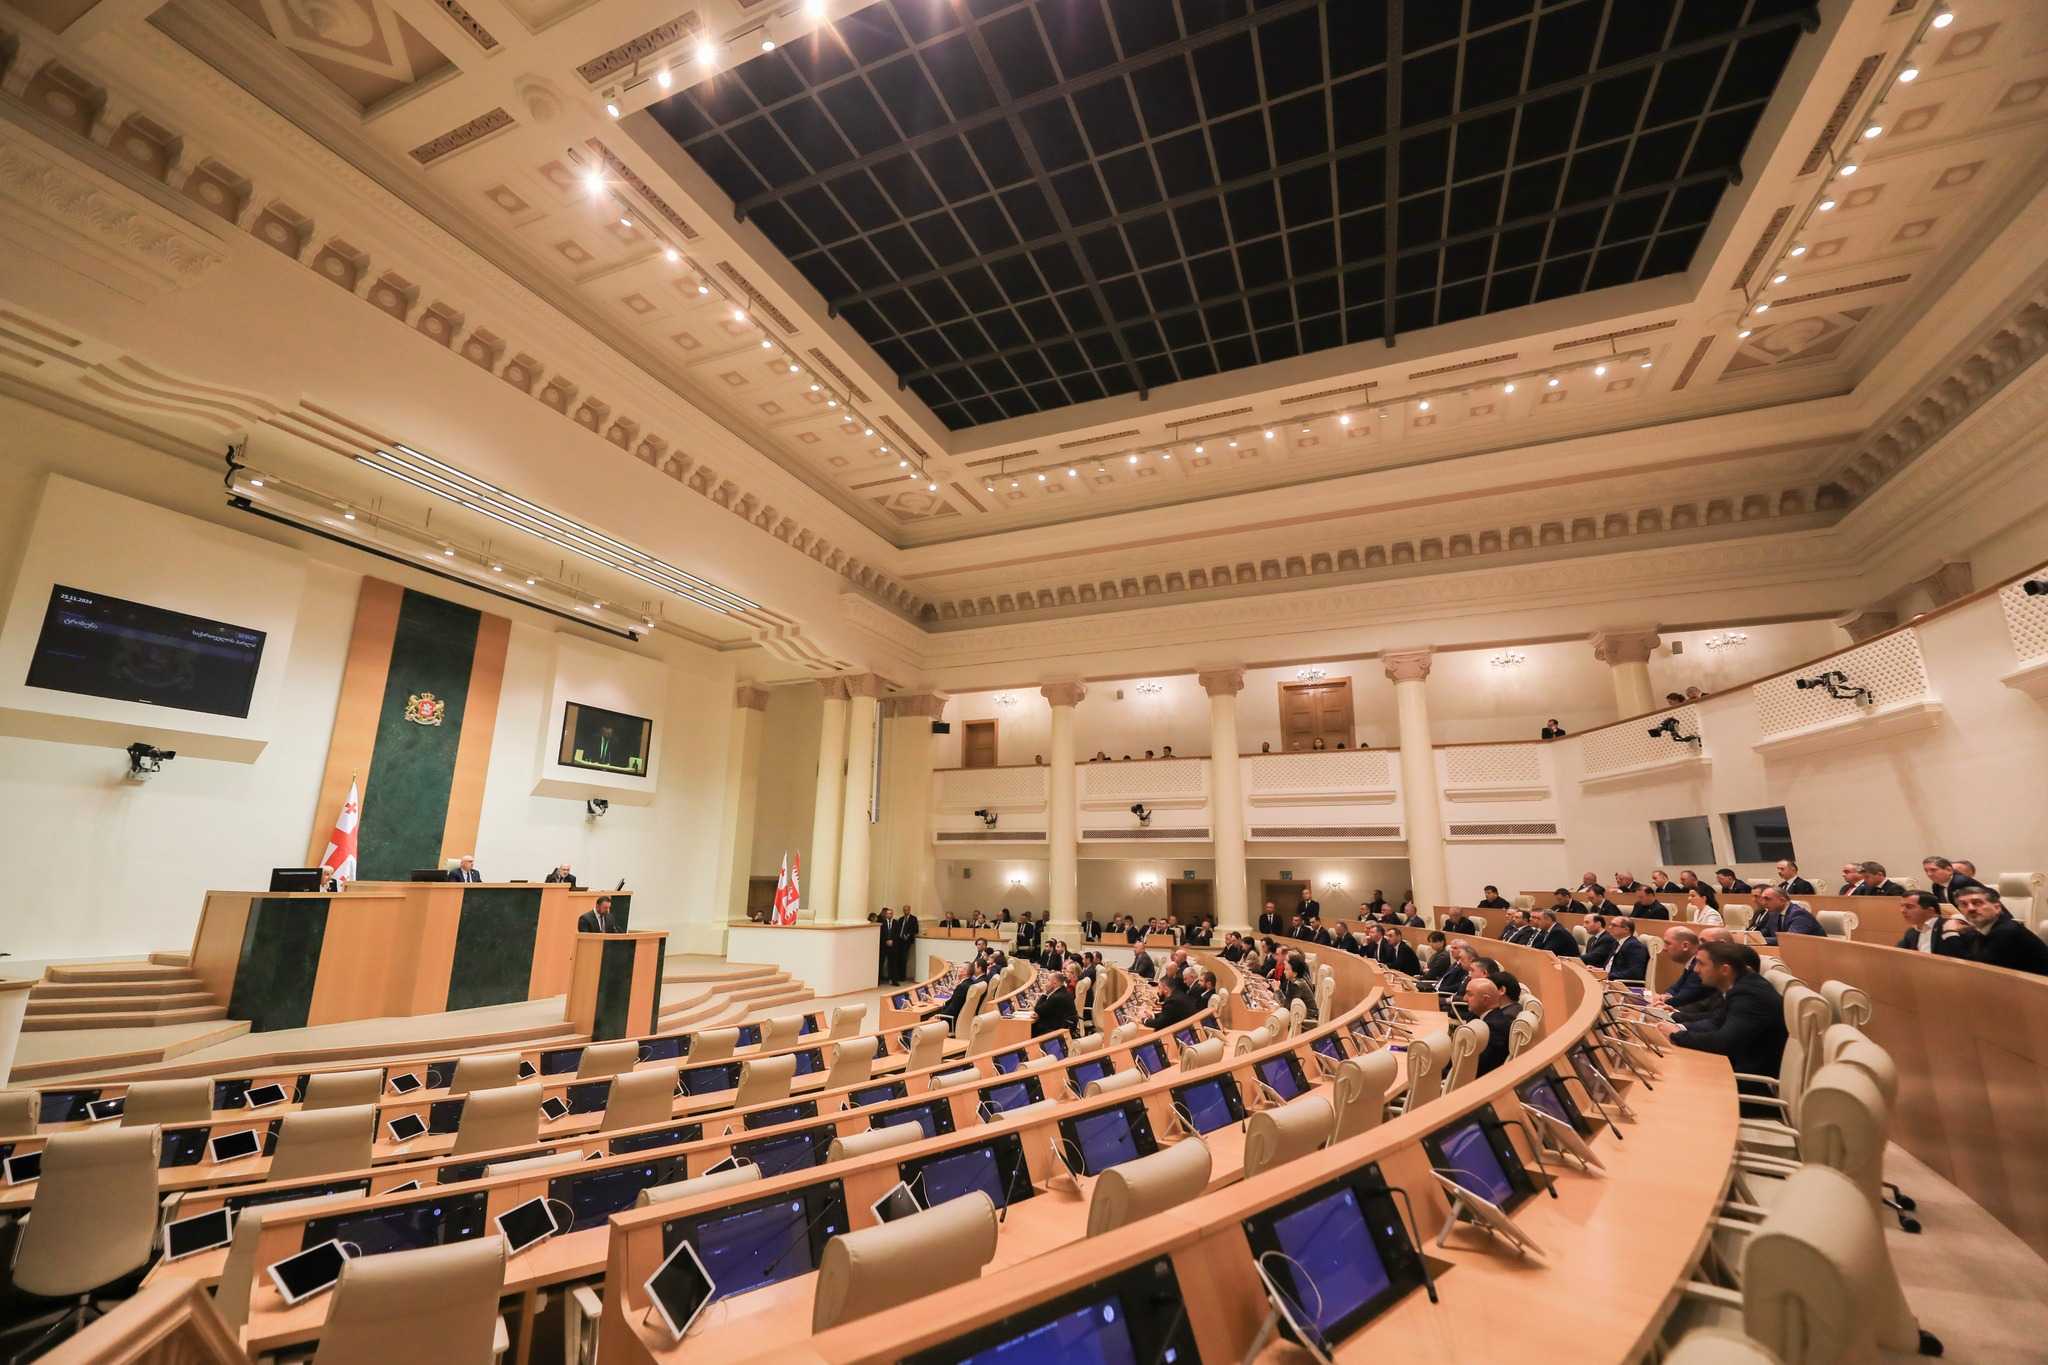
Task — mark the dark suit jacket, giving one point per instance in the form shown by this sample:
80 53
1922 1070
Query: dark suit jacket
906 929
1397 954
555 878
1134 935
587 923
1631 961
1741 888
1091 931
1177 1006
1270 924
1311 908
951 1009
1558 940
1055 1011
1655 910
1142 965
1749 1031
1799 886
1438 964
1796 919
2010 944
1887 887
1495 903
458 875
1689 990
1453 981
1232 952
1460 924
1599 948
1910 940
1946 892
1497 1024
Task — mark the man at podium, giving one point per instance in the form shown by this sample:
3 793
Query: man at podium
598 919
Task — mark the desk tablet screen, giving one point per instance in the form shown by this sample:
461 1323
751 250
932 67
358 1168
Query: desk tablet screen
963 1173
934 1118
258 1096
1333 1247
1186 1037
755 1247
710 1080
1150 1057
1006 1062
1208 1107
309 1272
406 1127
1329 1047
777 1156
99 1111
899 1002
523 1226
1105 1140
681 1288
1009 1095
662 1049
1469 1159
407 1227
1094 1334
235 1146
404 1084
1541 1094
24 1168
876 1094
1279 1072
809 1060
596 1195
1055 1048
661 1137
196 1234
552 1108
1085 1073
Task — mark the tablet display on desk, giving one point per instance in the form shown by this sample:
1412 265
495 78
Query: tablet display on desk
664 1049
782 1113
1330 1045
259 1096
1008 1095
1284 1075
1476 1154
406 1127
527 1225
1150 1057
552 1108
182 1147
1136 1315
711 1080
404 1083
202 1232
1186 1037
1110 1137
996 1168
24 1168
1083 1074
1543 1093
1340 1254
933 1116
527 1070
593 1196
235 1146
1054 1047
660 1137
789 1152
680 1289
1006 1062
431 1222
899 1002
99 1111
899 1202
300 1277
876 1094
1211 1104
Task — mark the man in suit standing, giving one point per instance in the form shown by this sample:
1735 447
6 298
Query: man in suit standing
1631 960
1311 908
1778 914
1091 930
1985 932
1749 1028
1269 920
1489 1004
465 870
1553 937
1945 881
598 919
903 946
1790 880
561 874
1924 931
1871 881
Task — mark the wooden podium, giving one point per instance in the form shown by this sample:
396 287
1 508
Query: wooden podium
615 984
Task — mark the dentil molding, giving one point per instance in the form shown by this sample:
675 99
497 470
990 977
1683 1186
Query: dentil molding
86 210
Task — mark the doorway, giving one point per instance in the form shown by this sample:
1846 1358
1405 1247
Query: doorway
1286 898
1191 902
761 898
978 744
1316 711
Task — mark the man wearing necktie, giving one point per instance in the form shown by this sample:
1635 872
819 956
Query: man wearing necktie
598 919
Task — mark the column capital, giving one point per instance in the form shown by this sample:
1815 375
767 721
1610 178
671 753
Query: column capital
1407 665
833 688
1222 682
748 697
863 685
924 705
1063 693
1624 644
1868 622
1949 582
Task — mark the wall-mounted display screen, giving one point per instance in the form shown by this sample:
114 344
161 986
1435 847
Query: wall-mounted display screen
607 741
101 646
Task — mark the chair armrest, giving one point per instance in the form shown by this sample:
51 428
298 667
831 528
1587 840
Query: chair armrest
1772 1081
501 1342
586 1301
1713 1293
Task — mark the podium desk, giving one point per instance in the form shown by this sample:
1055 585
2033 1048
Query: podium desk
615 984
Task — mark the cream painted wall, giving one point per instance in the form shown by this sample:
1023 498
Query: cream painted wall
789 775
1114 886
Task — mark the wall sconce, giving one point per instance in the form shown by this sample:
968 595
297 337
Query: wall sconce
1017 881
1333 885
1005 699
1508 658
1311 674
1727 639
1146 883
1151 687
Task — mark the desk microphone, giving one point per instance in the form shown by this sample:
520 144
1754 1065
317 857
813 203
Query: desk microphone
1414 1230
1499 1124
1019 1167
803 1234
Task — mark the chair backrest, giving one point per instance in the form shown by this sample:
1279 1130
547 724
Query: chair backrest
324 1140
970 1004
484 1071
343 1089
1846 1003
780 1031
874 1140
878 1268
853 1061
1844 1123
1806 1016
1138 1189
1115 1080
549 1162
698 1184
981 1035
847 1020
607 1059
1479 922
763 1080
1087 1042
18 1111
927 1046
1082 991
714 1044
238 1273
1297 1014
1326 994
1579 933
1208 1052
95 1211
1531 1006
1278 1135
1027 1111
1847 1043
180 1101
1428 1055
639 1097
1839 923
1123 1033
1817 1281
508 1116
1522 1032
1719 1346
435 1303
1361 1090
1468 1040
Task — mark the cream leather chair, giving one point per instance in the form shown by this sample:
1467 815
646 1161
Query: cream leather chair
437 1303
1844 1123
323 1141
927 1046
959 1075
1115 1080
1027 1111
1839 923
1718 1346
981 1035
551 1161
1138 1189
238 1273
639 1097
18 1110
781 1031
1361 1092
1846 1003
600 1060
1428 1055
1296 1128
764 1080
714 1044
970 1005
1522 1032
700 1184
93 1220
1326 994
847 1021
1082 991
1208 1052
853 1061
1086 1043
343 1089
874 1140
1123 1033
182 1101
878 1268
508 1116
1468 1040
1806 1017
484 1071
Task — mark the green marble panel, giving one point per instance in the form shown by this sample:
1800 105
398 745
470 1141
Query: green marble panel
614 989
280 959
412 768
494 946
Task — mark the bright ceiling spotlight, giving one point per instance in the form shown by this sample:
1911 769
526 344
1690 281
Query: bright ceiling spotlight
885 450
1780 278
447 551
867 431
1198 447
767 44
1827 206
703 289
671 255
1508 387
1165 454
1798 249
348 516
1644 366
1423 406
1269 434
1945 18
903 464
1761 308
593 182
1233 445
1909 75
1073 473
767 345
931 487
663 79
1743 334
1345 420
1848 170
497 568
707 51
529 582
1599 371
611 108
1041 478
793 369
625 222
1134 459
1551 382
814 9
1874 130
739 315
255 483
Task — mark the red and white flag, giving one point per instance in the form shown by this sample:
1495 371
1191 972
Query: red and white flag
340 859
788 895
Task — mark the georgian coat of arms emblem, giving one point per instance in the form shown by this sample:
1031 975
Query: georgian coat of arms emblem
424 708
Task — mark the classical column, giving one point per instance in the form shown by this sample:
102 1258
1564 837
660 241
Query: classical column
1408 670
821 872
743 786
1226 796
904 873
863 706
1871 621
1063 825
1626 651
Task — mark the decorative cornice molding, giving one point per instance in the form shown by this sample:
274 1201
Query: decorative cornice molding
78 205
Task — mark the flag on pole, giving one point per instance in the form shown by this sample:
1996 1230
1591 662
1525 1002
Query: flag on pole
339 861
788 895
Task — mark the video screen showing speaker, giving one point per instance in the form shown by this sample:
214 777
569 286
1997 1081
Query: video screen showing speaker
606 741
101 646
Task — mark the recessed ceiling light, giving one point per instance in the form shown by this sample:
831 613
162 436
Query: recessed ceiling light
1233 445
1780 278
1742 334
703 289
1345 420
707 52
814 8
903 464
1134 459
1644 366
1041 478
1909 75
529 582
885 450
1874 130
1013 483
1269 435
767 345
833 403
671 255
1798 250
611 109
794 370
1304 431
497 568
348 516
1165 454
255 483
867 431
593 182
1508 387
1848 170
1599 370
1944 19
1827 206
1551 382
446 551
1073 473
1761 308
814 388
1423 405
1198 448
767 44
625 222
663 79
739 315
931 487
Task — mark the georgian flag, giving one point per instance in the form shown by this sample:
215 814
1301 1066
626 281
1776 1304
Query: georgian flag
340 859
788 895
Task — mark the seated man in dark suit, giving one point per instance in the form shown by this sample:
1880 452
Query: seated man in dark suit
1488 1003
1393 952
1944 880
1460 924
1778 914
1871 881
950 1011
1749 1028
1516 927
598 919
1342 939
1681 946
1183 1000
1984 931
1599 943
1791 881
1452 983
1647 905
1925 932
1435 956
1731 885
1202 934
1553 937
1493 900
1142 964
1234 947
561 874
1631 960
1055 1009
465 870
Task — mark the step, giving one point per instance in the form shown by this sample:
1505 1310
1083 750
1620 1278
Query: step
117 971
760 991
727 974
102 1004
72 990
797 993
171 959
141 1053
50 1023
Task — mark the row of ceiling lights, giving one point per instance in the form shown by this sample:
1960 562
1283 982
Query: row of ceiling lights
1870 128
707 51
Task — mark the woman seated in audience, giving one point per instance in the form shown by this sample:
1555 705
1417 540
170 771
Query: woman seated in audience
1700 908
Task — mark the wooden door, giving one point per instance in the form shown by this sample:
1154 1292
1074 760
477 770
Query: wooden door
1286 898
978 744
1191 902
1312 711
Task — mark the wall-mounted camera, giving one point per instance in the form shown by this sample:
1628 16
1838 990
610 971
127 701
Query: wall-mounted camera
987 818
1144 816
1837 685
146 761
596 807
2035 587
1669 726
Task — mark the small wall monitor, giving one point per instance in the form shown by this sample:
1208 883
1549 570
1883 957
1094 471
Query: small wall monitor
604 741
97 645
